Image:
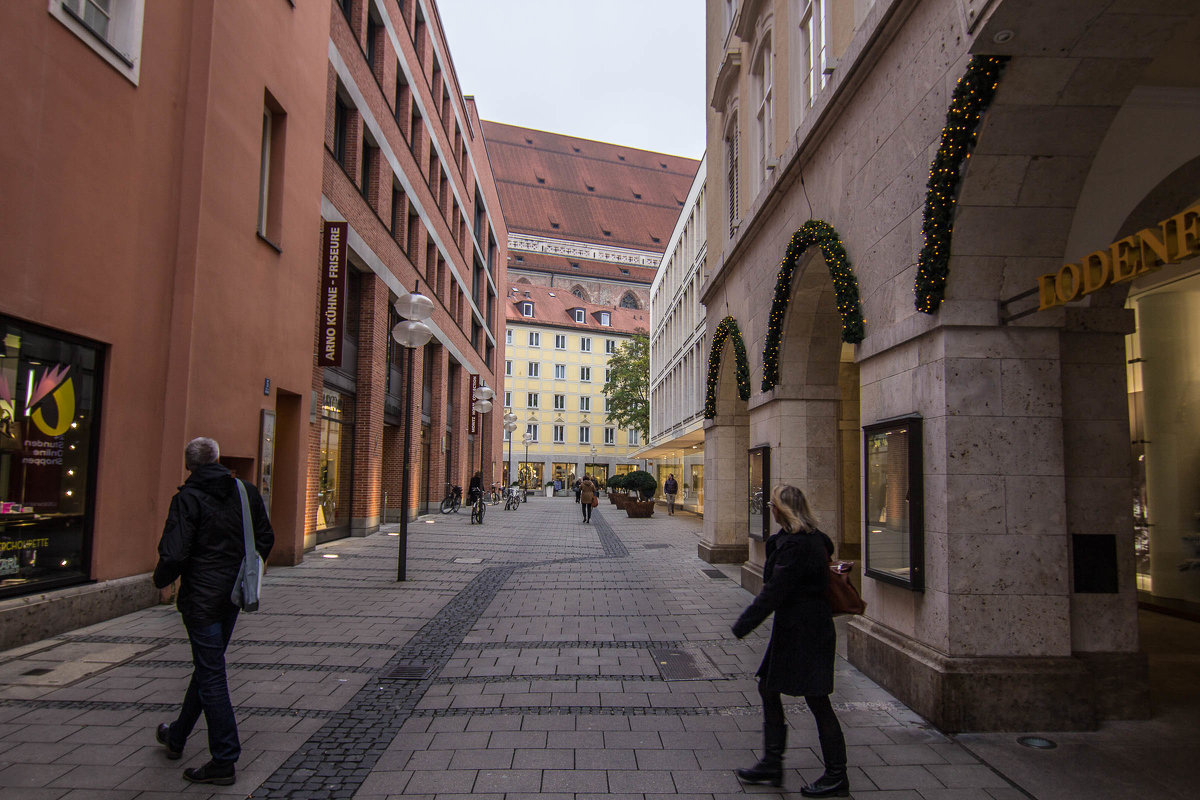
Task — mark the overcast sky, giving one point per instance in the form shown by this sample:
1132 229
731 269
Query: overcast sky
628 72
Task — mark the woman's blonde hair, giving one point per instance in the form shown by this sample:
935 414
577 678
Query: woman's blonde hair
793 509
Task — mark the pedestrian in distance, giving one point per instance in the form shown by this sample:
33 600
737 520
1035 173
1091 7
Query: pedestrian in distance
203 545
578 487
800 656
670 489
587 495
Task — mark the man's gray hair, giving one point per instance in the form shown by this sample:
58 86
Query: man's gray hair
201 451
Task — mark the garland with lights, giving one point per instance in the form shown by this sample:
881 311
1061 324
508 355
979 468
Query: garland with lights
972 96
822 235
727 328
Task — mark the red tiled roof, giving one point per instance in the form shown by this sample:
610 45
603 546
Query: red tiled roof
544 179
560 265
553 306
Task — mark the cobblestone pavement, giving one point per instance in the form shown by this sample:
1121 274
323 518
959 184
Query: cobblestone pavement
531 657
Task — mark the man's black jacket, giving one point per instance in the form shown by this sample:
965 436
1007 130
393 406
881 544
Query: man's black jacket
203 542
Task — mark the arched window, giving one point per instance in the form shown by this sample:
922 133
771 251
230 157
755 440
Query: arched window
579 292
629 301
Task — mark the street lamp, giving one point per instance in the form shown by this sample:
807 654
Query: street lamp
409 334
510 425
482 395
593 462
527 438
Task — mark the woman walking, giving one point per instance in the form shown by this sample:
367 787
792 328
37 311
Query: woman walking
799 658
587 493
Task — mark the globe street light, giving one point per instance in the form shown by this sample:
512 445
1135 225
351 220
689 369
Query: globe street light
510 425
409 334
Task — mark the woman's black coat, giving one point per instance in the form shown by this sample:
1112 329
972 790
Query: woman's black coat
799 659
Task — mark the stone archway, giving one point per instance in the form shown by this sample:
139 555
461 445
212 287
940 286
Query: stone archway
1027 433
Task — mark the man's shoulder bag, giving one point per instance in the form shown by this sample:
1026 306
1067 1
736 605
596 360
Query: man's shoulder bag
843 597
249 580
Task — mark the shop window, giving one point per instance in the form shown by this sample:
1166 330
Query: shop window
759 492
50 388
894 502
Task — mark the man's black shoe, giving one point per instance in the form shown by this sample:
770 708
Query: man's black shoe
212 772
162 734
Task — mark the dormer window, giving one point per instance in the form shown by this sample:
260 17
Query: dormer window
526 309
577 313
605 318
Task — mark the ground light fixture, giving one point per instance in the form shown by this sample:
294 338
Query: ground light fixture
527 438
409 334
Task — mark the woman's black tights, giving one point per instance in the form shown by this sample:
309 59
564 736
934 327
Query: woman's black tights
829 732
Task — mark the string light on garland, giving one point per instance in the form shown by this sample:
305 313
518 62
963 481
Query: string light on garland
972 96
727 328
845 285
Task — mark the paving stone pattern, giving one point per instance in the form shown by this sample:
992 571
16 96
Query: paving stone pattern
541 680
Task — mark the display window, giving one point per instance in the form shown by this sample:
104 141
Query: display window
336 461
49 427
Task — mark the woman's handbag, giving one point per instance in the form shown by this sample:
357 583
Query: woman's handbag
249 579
843 597
595 501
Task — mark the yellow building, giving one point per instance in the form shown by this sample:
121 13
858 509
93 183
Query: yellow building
556 354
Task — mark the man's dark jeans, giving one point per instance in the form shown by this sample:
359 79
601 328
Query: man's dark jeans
209 692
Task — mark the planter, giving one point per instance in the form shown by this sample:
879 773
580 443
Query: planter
620 501
639 509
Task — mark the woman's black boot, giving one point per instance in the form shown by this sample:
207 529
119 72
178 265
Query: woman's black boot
833 783
769 769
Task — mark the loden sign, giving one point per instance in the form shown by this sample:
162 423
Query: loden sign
1175 239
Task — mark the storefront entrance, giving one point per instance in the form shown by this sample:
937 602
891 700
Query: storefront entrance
335 466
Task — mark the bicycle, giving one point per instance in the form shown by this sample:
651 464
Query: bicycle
512 498
477 507
495 494
453 499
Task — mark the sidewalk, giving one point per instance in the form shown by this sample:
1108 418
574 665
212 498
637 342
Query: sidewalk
523 659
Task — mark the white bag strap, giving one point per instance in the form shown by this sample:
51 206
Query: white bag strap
246 532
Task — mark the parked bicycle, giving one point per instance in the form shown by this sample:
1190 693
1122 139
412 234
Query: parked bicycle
453 499
477 507
496 494
512 498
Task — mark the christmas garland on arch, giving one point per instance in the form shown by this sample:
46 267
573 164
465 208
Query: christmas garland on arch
972 96
822 235
728 328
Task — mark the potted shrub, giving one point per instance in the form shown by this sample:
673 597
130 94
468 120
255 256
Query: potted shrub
549 488
641 485
616 494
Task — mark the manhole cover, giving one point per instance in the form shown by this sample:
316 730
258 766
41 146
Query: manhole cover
684 664
409 672
714 573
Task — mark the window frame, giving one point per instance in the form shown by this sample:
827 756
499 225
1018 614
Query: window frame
911 426
533 369
585 374
560 341
120 45
585 344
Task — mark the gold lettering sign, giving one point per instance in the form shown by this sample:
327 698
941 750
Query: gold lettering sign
1175 239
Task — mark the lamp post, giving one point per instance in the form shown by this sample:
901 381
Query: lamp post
409 334
593 462
527 438
482 395
510 425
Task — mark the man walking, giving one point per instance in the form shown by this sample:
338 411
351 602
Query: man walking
670 489
203 543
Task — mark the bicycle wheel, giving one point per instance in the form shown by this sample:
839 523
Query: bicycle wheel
448 505
477 513
495 498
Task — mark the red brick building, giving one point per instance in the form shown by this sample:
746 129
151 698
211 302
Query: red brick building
405 167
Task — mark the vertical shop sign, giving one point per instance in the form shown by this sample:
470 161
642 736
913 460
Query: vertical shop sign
333 294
